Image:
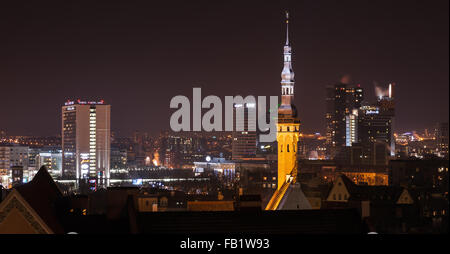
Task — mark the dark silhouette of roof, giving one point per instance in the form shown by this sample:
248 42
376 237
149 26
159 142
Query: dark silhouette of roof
42 194
265 222
372 193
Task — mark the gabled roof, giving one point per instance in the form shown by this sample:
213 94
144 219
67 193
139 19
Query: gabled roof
42 194
372 193
18 217
294 199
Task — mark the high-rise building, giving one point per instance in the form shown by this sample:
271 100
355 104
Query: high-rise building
185 148
12 156
340 103
386 104
52 159
244 138
118 158
4 166
351 128
375 127
86 142
355 96
442 139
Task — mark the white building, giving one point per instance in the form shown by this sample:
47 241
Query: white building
52 159
86 141
219 166
10 156
351 128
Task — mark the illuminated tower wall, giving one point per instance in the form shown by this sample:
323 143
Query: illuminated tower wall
288 125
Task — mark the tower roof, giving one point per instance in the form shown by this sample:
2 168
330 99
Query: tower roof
287 108
294 199
287 28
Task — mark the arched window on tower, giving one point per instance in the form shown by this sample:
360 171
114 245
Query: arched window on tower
287 148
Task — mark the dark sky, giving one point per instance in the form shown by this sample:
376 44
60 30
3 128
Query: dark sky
138 55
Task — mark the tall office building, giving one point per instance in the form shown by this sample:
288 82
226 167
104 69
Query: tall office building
351 128
86 142
340 103
355 96
12 156
386 104
244 138
375 127
369 131
442 139
52 159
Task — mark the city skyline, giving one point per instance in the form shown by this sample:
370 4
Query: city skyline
266 170
98 52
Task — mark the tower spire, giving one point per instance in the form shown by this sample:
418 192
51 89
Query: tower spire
287 28
288 126
287 109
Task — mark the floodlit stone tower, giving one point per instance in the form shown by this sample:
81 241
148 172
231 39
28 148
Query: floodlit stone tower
288 124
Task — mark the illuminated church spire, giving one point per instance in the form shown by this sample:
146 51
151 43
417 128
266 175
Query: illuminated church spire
287 109
287 28
288 194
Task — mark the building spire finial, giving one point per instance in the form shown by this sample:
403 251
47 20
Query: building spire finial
287 28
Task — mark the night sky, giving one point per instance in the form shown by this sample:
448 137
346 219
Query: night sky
138 55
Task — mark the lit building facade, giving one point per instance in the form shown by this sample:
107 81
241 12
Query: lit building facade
86 142
341 101
12 156
442 139
244 141
373 125
216 165
386 103
52 159
351 128
118 158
